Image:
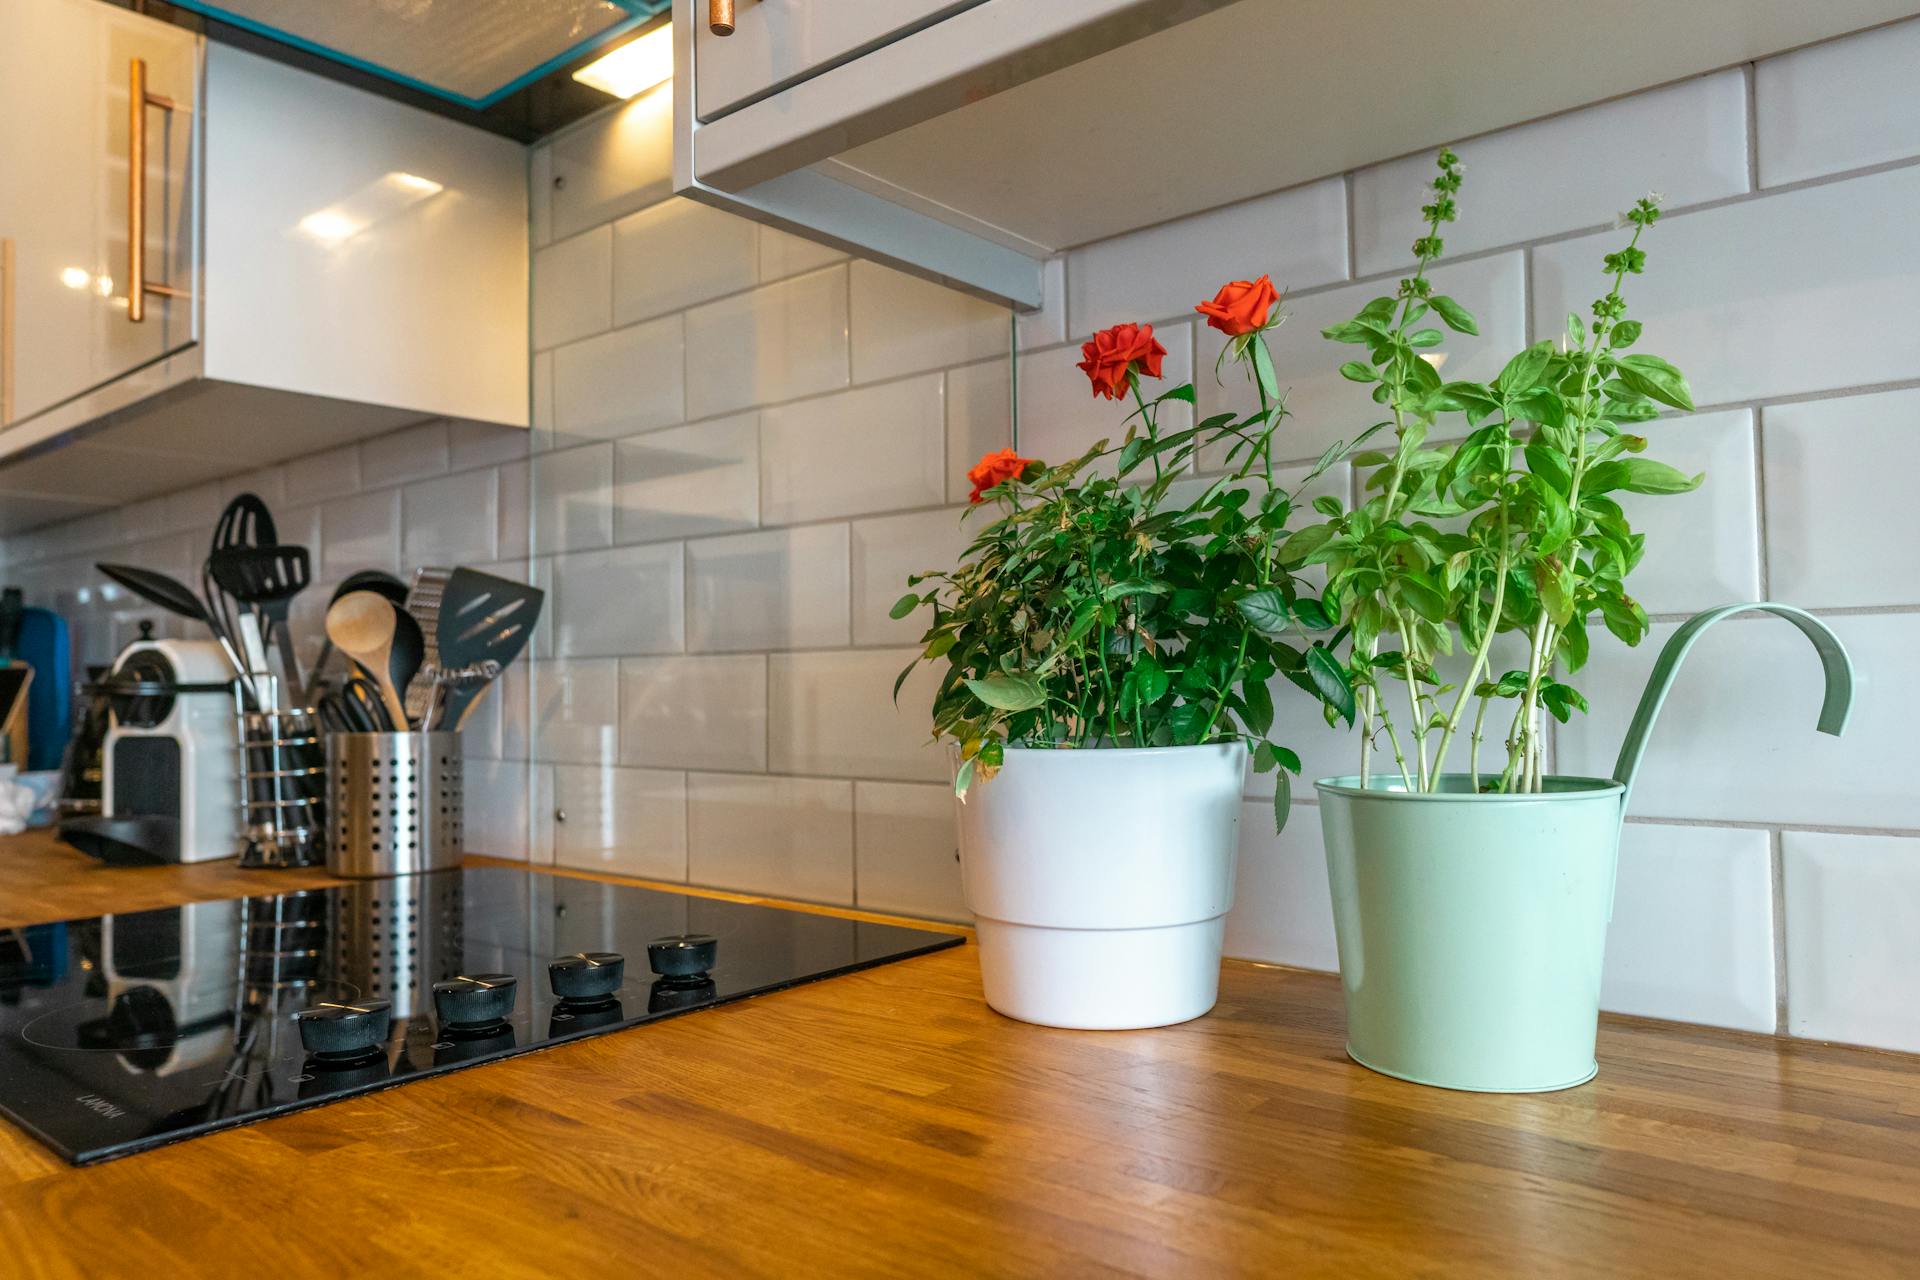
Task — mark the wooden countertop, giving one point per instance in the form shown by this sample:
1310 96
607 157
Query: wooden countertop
888 1123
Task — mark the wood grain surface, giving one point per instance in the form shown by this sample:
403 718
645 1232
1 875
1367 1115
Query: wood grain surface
888 1124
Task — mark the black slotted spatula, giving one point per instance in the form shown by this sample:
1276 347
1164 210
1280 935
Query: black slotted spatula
484 624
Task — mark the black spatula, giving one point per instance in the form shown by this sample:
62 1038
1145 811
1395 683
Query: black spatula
266 579
484 624
170 594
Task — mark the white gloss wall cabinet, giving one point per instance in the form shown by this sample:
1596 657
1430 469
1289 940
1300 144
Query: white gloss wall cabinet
345 265
968 140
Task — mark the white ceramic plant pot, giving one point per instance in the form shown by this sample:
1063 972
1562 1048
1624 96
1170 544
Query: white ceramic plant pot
1100 881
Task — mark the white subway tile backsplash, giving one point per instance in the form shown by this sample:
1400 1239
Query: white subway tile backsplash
886 551
1736 740
540 194
979 419
484 444
412 453
614 163
1704 546
776 343
906 854
1325 407
509 811
1692 931
835 714
1796 291
1047 326
451 520
783 254
1297 236
787 836
781 589
903 324
1844 104
1843 528
871 449
1852 949
540 433
629 822
360 533
685 481
1687 141
573 499
573 288
620 601
678 253
575 711
618 383
514 493
1282 909
695 712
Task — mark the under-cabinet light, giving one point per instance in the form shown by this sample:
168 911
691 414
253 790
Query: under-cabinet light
634 67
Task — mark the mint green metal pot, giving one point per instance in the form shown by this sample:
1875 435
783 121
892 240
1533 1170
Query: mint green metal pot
1472 928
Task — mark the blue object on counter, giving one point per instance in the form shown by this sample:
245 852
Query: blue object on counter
44 645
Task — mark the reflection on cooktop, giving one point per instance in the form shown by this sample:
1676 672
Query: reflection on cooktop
125 1032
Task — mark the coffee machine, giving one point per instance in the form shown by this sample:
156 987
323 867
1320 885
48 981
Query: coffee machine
172 748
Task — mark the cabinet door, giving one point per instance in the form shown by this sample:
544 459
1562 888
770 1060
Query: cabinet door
65 138
776 42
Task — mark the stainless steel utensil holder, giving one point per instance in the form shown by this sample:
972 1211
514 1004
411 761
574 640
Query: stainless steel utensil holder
394 802
283 779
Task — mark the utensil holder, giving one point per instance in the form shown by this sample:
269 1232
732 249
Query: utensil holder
283 779
395 803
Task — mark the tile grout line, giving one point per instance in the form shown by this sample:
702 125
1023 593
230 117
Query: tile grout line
1761 523
1749 85
1777 869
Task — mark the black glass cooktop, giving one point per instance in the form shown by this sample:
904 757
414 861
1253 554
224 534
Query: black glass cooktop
128 1031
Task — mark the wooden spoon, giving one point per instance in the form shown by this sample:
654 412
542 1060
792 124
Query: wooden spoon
361 625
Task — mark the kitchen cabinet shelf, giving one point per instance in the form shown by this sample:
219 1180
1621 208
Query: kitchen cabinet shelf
978 139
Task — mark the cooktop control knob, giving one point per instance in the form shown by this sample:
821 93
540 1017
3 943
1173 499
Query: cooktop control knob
474 1000
684 955
344 1030
587 975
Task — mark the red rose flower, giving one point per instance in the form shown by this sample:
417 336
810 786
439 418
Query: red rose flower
1114 352
996 468
1240 307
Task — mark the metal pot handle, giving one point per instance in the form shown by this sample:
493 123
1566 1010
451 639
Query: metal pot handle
1834 707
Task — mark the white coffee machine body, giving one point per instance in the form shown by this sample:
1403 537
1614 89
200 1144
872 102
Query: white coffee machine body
177 755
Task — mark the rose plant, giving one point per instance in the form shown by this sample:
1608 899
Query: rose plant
1114 600
1513 530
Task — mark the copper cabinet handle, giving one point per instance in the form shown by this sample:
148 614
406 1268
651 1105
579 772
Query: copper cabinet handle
720 17
138 100
6 332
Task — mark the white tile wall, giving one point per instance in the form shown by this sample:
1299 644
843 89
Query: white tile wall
1804 290
1840 533
782 255
786 836
1282 910
776 343
573 499
833 715
1060 417
618 383
411 453
783 589
870 449
1736 740
676 254
573 288
452 520
906 856
1852 948
620 601
1687 141
695 712
703 478
903 324
1717 525
1297 236
1692 931
1841 105
575 711
886 551
630 822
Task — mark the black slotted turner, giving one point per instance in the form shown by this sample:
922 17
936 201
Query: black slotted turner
267 579
484 624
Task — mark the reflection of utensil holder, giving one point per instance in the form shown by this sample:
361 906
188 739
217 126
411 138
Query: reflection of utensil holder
393 939
395 803
283 779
